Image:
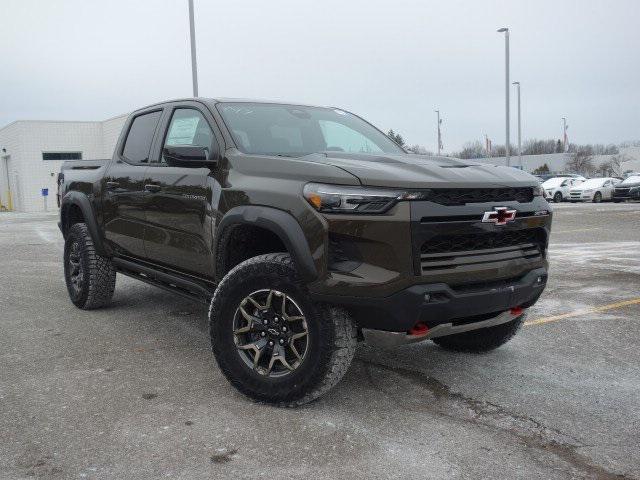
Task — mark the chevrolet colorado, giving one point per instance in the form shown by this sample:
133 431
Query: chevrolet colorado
305 229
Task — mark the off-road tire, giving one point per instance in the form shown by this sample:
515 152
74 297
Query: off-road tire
557 198
332 334
482 340
99 276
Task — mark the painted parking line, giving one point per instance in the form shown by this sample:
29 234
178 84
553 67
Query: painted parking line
584 311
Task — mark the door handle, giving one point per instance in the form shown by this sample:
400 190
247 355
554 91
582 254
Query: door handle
112 185
152 187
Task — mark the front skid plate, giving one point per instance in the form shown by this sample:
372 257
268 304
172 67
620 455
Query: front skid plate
382 338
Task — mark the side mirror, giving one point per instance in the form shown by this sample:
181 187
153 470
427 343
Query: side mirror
189 156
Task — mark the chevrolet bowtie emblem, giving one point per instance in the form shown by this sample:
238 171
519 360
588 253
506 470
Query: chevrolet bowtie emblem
499 216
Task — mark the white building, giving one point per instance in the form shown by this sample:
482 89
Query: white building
557 162
32 151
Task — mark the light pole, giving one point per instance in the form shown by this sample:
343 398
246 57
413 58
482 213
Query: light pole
507 87
439 134
517 84
564 134
194 65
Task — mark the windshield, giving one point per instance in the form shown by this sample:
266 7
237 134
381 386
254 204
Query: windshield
554 182
632 179
593 183
292 130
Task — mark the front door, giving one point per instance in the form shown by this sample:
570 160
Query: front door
178 213
123 187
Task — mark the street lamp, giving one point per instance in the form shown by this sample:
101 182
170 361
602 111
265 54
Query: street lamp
507 86
194 66
439 134
564 134
517 84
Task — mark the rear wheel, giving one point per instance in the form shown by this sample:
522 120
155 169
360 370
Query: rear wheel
271 342
482 340
557 198
597 198
90 278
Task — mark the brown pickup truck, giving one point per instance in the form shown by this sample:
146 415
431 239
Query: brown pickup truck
306 230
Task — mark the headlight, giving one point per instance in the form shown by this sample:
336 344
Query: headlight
343 199
587 191
538 191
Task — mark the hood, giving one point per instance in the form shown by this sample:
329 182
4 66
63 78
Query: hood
628 185
422 171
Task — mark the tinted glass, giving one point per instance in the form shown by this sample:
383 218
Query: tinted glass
138 143
272 129
61 155
189 127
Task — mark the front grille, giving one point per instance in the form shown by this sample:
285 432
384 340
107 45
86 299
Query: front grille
478 241
446 252
621 191
462 196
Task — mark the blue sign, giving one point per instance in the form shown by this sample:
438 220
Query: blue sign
45 192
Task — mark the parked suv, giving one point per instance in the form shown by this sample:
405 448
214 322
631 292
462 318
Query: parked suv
558 188
305 229
628 189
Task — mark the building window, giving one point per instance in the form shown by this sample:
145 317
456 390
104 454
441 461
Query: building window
61 155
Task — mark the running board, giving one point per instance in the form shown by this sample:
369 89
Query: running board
175 284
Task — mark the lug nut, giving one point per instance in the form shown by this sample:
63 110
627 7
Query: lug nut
282 341
284 329
265 321
271 343
262 334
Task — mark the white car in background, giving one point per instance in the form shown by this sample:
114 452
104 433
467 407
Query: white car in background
594 190
557 188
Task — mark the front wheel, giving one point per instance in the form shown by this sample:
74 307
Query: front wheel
597 198
271 341
482 340
557 198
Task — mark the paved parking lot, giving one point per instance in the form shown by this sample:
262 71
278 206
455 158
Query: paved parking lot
132 391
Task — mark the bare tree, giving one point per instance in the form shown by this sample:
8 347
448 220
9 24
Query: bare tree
613 166
582 161
419 149
472 150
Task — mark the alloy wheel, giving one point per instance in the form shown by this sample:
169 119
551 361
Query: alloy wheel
76 270
270 332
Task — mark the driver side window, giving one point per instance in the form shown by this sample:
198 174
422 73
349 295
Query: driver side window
189 127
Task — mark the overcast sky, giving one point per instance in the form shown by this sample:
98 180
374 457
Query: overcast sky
391 62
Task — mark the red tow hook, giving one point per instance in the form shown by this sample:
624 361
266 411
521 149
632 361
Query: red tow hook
418 329
517 311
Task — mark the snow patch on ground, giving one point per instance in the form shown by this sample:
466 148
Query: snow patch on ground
617 256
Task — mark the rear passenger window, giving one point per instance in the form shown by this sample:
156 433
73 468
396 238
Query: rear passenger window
138 144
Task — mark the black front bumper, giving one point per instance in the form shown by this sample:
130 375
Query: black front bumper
626 194
438 303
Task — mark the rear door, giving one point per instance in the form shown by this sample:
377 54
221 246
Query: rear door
124 186
179 210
